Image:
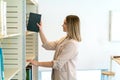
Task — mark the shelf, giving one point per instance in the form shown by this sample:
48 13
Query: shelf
33 2
7 36
10 73
108 73
29 56
29 32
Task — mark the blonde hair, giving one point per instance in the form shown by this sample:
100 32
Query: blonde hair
73 27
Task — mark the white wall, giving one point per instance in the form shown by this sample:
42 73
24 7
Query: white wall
81 75
95 48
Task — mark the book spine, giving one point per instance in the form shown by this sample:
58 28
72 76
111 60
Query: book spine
29 73
1 65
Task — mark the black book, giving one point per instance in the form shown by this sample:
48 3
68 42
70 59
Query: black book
34 18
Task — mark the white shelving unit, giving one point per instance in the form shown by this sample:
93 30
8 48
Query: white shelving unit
19 44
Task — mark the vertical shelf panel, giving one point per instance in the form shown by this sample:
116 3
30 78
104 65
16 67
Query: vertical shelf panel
32 39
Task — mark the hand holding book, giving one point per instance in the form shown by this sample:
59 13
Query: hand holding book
39 25
34 18
33 62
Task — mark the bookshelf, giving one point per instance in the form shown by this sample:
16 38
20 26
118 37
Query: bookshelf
19 44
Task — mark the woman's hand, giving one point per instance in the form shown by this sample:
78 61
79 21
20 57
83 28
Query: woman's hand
33 62
39 25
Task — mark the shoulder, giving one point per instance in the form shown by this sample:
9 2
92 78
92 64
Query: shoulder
72 43
61 39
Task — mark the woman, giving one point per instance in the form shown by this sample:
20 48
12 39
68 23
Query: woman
66 50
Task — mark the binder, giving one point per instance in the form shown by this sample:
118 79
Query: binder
29 73
34 18
1 65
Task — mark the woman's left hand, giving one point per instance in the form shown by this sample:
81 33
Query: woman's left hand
33 62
